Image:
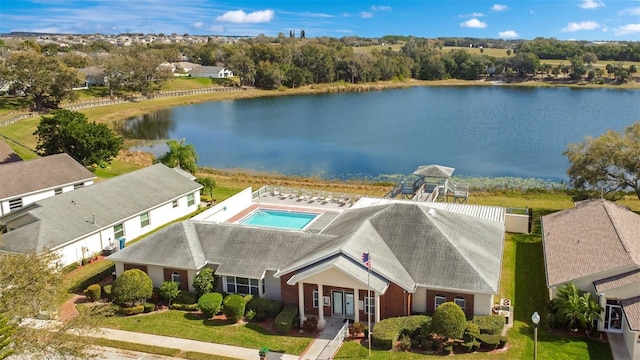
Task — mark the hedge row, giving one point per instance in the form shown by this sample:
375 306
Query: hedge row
387 331
491 342
490 324
82 284
285 319
265 307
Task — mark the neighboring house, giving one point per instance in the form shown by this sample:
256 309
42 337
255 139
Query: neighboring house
596 246
93 75
25 182
7 155
90 220
421 257
216 72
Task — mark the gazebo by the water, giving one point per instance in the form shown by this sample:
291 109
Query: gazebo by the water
434 184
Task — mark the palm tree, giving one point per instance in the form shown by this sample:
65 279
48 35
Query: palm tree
181 155
592 310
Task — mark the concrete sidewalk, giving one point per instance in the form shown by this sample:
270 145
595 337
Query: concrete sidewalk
318 348
191 345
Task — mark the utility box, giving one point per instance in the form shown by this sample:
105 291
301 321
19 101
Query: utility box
121 241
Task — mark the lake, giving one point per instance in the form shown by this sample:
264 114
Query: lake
484 131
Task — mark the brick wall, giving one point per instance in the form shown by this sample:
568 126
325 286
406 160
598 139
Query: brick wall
184 279
395 302
449 297
288 293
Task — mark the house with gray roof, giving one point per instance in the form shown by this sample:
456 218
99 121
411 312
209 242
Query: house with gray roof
7 155
596 246
216 72
96 218
420 258
25 182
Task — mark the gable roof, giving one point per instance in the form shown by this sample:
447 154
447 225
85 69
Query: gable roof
408 246
24 177
593 229
6 154
631 308
67 217
618 281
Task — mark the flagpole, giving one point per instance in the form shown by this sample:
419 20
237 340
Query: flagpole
368 299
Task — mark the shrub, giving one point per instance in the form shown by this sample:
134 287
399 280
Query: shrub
185 297
448 349
93 292
132 288
148 307
449 321
310 325
185 307
260 316
106 291
469 346
284 320
169 290
471 332
503 341
405 343
490 324
131 310
488 341
387 331
270 308
210 304
69 268
234 306
83 283
250 315
109 309
204 281
356 329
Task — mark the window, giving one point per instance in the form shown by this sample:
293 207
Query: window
369 305
144 220
460 301
78 186
15 204
439 300
190 200
175 277
175 203
58 191
118 231
315 298
240 285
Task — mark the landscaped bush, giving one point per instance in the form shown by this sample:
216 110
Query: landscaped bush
356 328
132 288
270 308
470 346
490 342
387 331
149 307
204 281
210 304
310 325
168 290
131 310
234 306
285 319
106 292
93 292
471 332
185 307
449 321
249 315
404 344
490 324
83 283
185 297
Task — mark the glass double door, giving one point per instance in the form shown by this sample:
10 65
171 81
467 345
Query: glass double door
343 304
613 316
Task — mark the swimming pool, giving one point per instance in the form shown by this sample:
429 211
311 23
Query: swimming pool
279 219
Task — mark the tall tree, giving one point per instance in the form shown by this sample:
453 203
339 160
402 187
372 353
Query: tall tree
181 155
31 288
70 132
608 162
44 78
208 184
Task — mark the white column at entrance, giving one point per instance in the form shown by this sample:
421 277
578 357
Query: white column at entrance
321 320
301 301
377 307
356 300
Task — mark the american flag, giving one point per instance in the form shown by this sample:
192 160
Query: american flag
366 260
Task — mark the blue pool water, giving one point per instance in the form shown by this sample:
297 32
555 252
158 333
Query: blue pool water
279 219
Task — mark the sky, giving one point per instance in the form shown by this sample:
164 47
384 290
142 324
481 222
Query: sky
522 19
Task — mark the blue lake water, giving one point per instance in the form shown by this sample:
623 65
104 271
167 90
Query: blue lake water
480 131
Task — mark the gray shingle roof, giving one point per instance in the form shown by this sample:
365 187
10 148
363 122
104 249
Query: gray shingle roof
631 308
69 216
6 154
408 246
47 172
593 229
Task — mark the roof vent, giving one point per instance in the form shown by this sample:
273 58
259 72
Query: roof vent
432 212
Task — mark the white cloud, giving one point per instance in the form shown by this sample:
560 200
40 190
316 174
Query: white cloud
241 17
499 7
198 25
630 11
366 15
381 8
472 15
509 34
474 23
584 25
627 29
591 4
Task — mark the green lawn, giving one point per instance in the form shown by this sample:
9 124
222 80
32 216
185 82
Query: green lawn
192 326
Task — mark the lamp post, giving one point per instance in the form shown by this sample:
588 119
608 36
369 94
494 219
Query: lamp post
535 318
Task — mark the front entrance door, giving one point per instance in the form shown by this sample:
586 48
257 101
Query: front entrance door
343 304
613 316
